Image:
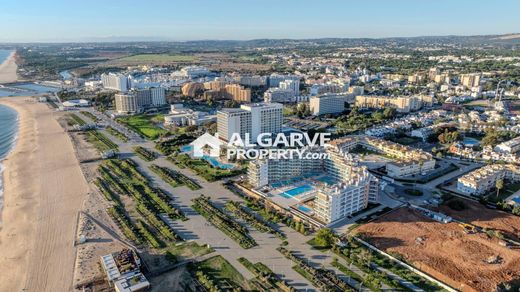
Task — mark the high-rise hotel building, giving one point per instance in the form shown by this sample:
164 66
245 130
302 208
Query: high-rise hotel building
253 118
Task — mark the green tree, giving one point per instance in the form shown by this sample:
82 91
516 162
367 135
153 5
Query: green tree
499 184
324 237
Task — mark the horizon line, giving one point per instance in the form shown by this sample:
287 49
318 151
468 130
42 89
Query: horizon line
113 39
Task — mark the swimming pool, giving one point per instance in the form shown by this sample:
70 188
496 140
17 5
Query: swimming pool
304 209
297 191
212 160
516 200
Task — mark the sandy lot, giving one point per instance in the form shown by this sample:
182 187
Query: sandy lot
8 70
444 250
44 190
484 217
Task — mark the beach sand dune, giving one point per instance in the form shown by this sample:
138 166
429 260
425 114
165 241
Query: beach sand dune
44 190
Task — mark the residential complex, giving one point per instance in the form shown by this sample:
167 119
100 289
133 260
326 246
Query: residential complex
403 104
508 147
337 185
406 161
479 181
329 103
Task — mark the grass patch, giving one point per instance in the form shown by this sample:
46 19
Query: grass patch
145 125
100 141
203 168
223 273
75 120
117 134
187 250
159 58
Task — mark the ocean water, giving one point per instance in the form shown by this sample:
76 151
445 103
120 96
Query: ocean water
4 54
8 135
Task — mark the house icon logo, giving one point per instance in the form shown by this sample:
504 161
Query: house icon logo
206 145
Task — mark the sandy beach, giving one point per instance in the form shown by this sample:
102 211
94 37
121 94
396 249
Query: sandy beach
8 70
43 192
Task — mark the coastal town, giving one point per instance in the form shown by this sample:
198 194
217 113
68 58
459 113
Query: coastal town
388 164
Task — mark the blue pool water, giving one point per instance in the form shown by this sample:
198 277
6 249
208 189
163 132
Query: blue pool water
297 191
516 200
470 142
304 209
212 160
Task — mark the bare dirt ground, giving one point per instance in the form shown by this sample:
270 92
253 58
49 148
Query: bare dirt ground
444 250
479 215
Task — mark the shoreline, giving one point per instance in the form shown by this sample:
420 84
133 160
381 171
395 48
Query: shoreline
44 189
8 69
4 157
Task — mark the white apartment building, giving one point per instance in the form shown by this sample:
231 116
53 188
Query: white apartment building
115 81
275 79
265 118
127 103
181 116
353 189
194 71
279 95
479 181
329 103
135 101
233 120
511 146
158 95
403 104
292 85
407 160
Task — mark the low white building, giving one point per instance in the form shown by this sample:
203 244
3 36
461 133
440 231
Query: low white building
180 116
479 181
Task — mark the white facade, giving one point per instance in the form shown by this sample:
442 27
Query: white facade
265 118
230 121
292 85
115 81
484 179
328 104
279 95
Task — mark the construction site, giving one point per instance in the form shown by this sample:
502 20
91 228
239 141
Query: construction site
459 254
477 214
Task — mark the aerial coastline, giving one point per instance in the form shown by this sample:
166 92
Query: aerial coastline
8 69
35 245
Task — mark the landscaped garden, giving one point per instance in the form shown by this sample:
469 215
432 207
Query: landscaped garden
203 168
145 125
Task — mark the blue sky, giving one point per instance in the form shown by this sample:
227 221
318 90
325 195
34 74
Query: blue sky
72 20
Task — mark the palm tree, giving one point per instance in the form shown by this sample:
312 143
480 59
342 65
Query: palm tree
499 184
